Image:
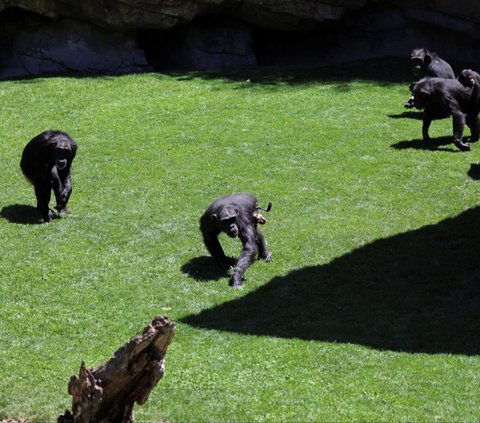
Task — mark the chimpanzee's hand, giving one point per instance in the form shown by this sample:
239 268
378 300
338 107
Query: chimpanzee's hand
236 281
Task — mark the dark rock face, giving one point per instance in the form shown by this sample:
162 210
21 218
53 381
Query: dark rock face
167 14
123 36
207 44
34 45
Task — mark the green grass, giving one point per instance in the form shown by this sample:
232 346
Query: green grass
370 309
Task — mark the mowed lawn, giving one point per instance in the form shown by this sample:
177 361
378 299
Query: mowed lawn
370 310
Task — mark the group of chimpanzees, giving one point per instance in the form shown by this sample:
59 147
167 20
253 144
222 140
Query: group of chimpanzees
47 159
440 95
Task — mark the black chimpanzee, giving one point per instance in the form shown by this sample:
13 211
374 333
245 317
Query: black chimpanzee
427 63
236 215
468 78
447 97
46 162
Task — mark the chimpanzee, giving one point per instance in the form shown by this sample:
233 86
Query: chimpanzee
46 162
447 97
236 215
427 63
468 78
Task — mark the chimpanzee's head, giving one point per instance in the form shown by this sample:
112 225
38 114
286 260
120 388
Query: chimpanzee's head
467 78
422 92
62 153
419 61
227 217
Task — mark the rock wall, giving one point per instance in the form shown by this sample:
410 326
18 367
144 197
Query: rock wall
160 14
214 42
31 44
122 36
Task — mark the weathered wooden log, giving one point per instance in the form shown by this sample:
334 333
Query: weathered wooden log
108 393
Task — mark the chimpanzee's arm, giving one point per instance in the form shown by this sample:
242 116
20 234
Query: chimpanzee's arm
458 120
247 235
263 251
62 187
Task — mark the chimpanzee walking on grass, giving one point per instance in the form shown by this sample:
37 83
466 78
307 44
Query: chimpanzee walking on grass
425 63
46 162
440 98
236 215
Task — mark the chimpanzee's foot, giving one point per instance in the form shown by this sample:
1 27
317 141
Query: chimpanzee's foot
266 257
61 210
48 216
462 145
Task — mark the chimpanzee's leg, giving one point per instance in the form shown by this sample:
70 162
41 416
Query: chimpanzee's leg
43 193
210 239
473 123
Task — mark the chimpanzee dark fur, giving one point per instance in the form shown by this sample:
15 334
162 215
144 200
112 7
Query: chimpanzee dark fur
46 162
441 98
236 216
468 78
427 63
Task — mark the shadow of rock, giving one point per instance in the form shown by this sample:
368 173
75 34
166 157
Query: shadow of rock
205 268
416 292
21 214
385 71
435 144
474 171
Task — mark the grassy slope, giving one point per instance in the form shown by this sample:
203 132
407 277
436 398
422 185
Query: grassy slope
340 163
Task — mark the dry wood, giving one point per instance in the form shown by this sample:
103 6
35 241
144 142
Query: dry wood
108 393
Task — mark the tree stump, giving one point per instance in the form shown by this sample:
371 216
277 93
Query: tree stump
108 393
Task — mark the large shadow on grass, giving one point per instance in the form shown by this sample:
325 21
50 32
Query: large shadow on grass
474 171
21 214
385 71
416 292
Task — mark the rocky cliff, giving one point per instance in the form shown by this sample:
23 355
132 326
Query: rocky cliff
119 36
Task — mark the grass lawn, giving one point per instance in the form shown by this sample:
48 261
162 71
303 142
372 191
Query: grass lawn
371 307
